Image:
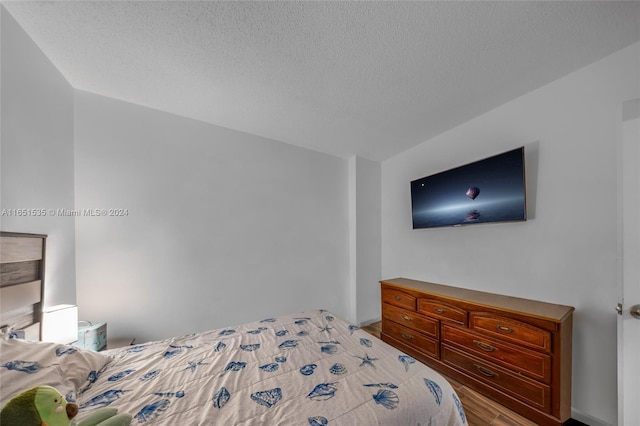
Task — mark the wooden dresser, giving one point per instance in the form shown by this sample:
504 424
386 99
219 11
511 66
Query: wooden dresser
515 351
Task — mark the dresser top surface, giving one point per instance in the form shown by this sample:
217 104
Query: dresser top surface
530 307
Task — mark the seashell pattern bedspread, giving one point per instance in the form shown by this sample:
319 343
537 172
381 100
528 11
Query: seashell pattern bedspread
310 368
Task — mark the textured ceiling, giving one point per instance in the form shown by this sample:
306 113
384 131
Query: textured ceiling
347 78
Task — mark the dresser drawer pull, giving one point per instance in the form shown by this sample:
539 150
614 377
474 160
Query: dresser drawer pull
406 318
504 328
407 336
485 371
397 298
439 310
485 347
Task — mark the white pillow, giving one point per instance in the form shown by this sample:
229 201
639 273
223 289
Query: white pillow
25 364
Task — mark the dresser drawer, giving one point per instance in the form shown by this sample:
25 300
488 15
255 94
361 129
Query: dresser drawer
534 393
411 337
410 319
442 310
511 330
398 298
521 360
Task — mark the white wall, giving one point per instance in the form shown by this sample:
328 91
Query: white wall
566 252
368 240
36 154
222 227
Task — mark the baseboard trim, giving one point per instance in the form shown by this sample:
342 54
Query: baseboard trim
369 322
587 419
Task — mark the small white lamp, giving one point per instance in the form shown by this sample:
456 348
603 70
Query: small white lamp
60 324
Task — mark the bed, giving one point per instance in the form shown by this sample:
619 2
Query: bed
307 368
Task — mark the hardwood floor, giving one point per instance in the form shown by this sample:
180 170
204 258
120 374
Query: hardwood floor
374 328
480 411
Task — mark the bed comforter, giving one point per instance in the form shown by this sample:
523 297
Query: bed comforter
310 368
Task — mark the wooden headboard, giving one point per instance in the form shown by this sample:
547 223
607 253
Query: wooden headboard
22 260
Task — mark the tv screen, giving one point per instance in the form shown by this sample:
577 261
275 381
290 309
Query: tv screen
488 190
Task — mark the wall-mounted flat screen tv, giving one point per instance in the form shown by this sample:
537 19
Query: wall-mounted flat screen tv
488 190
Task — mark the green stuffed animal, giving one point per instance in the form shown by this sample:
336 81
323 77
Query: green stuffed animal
45 406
